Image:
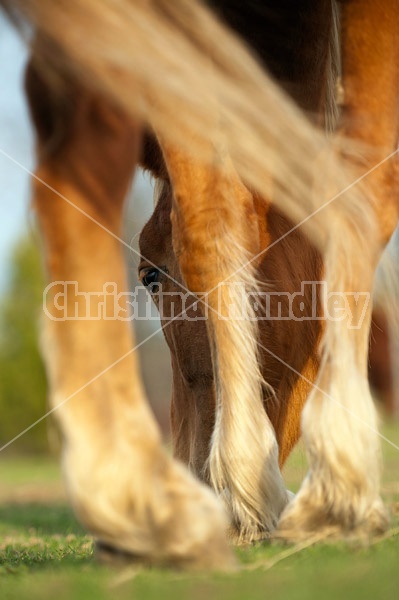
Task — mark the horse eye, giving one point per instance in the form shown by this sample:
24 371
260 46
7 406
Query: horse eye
150 279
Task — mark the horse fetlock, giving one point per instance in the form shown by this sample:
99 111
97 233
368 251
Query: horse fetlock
332 512
196 525
151 514
254 517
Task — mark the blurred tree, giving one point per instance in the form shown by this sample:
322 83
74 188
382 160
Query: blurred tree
22 377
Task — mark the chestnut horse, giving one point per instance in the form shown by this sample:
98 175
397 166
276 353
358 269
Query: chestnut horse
100 73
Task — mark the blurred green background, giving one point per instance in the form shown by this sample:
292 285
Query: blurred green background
23 381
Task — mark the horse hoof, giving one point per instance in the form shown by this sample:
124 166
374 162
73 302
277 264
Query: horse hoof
107 554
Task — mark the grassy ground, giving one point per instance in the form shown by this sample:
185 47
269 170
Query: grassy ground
45 554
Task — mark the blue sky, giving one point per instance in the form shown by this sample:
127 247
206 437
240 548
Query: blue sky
16 141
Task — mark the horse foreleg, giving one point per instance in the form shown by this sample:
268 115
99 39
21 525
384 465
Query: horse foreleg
124 488
215 232
341 495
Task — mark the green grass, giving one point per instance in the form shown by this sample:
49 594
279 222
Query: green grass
44 553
